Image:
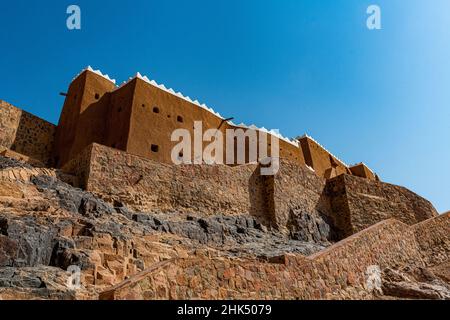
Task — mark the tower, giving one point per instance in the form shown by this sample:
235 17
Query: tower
82 119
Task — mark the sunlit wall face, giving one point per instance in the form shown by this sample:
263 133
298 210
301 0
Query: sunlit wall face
378 96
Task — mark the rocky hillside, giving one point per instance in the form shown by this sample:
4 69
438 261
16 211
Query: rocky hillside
47 227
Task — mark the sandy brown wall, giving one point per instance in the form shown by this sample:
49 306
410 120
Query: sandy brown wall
118 116
157 113
358 203
25 133
318 158
144 184
67 125
349 204
360 170
82 120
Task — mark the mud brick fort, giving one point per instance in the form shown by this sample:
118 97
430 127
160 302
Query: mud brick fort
109 159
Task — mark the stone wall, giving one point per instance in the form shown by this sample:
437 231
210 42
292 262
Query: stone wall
363 171
433 238
146 185
80 167
25 133
297 189
339 272
320 159
348 204
358 203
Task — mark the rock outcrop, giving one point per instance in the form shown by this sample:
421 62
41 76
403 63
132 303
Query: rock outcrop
48 228
419 284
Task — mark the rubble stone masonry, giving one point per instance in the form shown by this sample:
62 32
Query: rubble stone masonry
25 133
350 203
147 185
358 203
433 238
335 273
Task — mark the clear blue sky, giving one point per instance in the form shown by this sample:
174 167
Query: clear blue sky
381 97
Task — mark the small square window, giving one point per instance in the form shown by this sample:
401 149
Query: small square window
154 148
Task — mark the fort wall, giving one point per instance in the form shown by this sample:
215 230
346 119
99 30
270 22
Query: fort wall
157 113
358 203
339 272
320 159
25 133
297 188
362 171
147 185
118 117
139 117
82 119
351 204
433 238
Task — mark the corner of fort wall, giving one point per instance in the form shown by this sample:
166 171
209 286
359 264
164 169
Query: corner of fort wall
84 117
80 167
297 188
433 238
25 133
320 159
358 203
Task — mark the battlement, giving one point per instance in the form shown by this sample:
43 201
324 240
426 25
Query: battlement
98 72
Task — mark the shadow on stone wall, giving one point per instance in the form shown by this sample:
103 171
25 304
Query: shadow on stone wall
259 195
34 137
91 126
